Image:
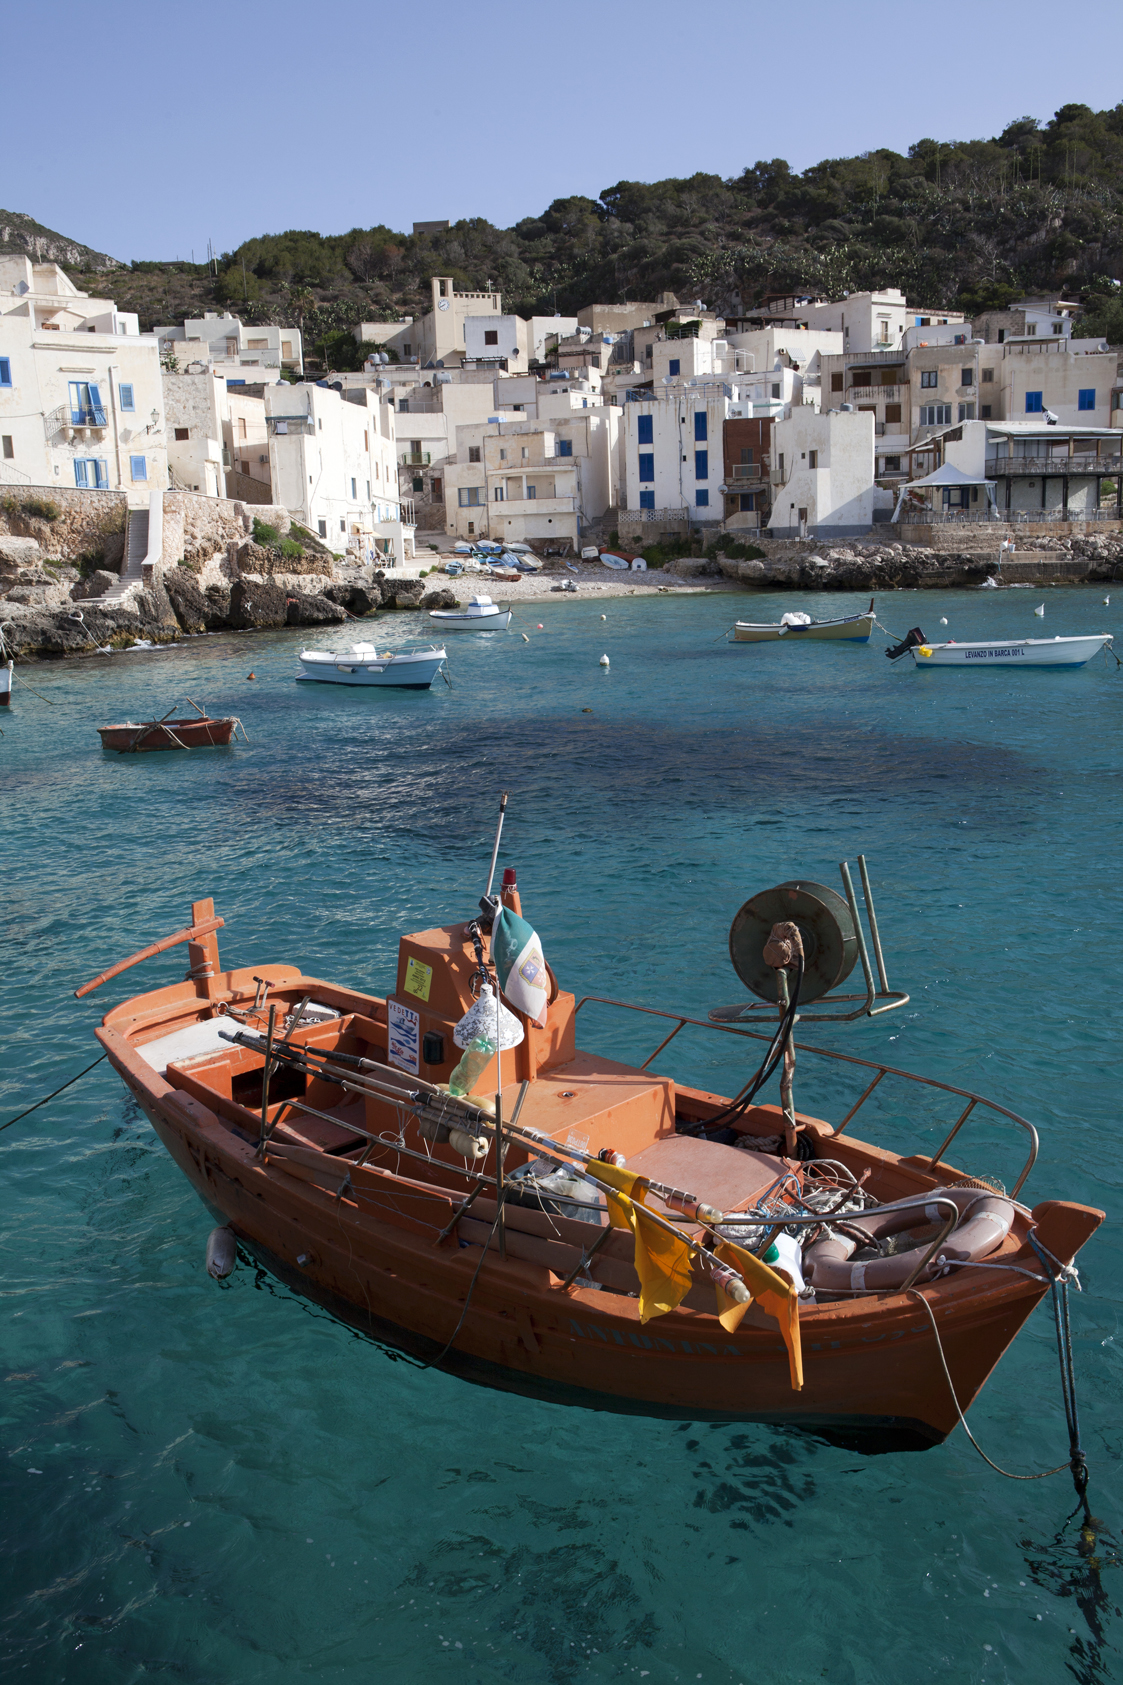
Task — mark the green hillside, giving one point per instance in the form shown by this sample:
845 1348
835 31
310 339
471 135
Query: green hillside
968 223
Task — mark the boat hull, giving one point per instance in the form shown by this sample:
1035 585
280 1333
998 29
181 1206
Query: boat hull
448 620
167 734
1030 652
365 1244
858 629
394 673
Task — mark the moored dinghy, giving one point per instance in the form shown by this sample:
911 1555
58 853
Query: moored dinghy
352 1148
796 627
1024 652
410 669
481 615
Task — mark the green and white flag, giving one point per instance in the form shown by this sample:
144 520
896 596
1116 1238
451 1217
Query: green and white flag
516 954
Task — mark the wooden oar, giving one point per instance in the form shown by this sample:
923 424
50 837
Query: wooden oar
205 927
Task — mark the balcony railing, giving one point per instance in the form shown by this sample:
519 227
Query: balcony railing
745 471
416 459
87 415
1014 517
1040 466
892 394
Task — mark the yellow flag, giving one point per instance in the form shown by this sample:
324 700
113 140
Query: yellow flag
662 1260
775 1295
729 1310
615 1177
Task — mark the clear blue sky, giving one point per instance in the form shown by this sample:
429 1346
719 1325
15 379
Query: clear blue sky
144 130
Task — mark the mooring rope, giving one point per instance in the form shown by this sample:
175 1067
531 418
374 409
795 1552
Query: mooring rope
47 1097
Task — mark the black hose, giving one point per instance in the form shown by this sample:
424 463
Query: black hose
768 1065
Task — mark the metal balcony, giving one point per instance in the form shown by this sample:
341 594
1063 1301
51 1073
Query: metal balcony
1041 466
746 471
87 415
416 459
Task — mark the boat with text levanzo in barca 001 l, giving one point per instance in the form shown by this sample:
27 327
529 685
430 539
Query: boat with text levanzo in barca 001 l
449 1171
796 627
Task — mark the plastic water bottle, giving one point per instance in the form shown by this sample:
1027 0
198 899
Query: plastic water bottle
472 1065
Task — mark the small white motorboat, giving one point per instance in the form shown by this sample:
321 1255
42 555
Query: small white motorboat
412 669
481 615
1024 652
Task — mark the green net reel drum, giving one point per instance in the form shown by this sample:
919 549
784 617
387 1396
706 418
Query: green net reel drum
830 943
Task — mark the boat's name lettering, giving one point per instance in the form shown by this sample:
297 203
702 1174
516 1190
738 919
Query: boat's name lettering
653 1342
990 654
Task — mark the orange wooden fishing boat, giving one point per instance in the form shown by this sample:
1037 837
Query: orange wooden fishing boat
323 1139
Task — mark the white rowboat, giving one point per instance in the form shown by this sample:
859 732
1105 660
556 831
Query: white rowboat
796 628
362 665
481 615
1024 652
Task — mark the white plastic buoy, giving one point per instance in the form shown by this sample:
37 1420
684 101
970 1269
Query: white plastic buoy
604 617
1040 611
604 661
222 1253
943 620
1106 601
524 637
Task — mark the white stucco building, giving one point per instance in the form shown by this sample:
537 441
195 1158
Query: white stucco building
673 448
226 340
81 400
218 442
332 460
822 474
437 339
533 481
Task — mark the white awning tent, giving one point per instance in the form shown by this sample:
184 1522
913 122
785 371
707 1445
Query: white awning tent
945 479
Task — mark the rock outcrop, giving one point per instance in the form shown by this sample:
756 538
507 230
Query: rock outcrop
443 598
255 604
314 611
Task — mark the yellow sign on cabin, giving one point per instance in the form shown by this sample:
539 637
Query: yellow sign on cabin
419 979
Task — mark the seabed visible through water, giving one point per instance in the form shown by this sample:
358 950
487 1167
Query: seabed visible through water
209 1482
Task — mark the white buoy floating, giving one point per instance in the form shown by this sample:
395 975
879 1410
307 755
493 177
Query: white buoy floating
524 637
604 617
604 661
222 1253
943 620
1040 611
1106 601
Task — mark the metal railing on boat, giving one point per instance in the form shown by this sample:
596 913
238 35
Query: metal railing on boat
681 1020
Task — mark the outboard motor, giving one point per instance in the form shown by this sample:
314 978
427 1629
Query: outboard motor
915 637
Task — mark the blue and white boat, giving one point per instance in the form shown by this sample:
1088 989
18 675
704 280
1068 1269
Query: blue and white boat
410 669
1018 652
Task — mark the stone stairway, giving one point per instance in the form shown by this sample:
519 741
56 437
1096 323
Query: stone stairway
136 549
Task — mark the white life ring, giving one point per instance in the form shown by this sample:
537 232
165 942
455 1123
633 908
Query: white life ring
984 1222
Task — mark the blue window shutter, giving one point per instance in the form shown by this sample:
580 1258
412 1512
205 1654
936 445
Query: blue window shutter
5 371
647 500
701 465
702 499
80 477
647 465
674 365
138 467
700 425
125 393
645 429
1087 397
101 474
1034 405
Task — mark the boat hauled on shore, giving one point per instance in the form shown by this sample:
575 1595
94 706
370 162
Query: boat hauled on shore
546 1219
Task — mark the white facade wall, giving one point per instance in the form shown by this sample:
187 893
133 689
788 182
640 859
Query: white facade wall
79 407
673 451
491 338
333 466
825 468
522 481
875 321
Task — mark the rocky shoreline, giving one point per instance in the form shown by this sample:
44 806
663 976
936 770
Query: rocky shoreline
51 611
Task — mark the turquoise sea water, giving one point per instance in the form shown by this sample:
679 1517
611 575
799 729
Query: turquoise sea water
330 1513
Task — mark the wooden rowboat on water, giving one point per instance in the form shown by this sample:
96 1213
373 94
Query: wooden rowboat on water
199 732
314 1120
797 627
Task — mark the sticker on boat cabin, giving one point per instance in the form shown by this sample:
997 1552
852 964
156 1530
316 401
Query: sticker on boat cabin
419 979
403 1043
